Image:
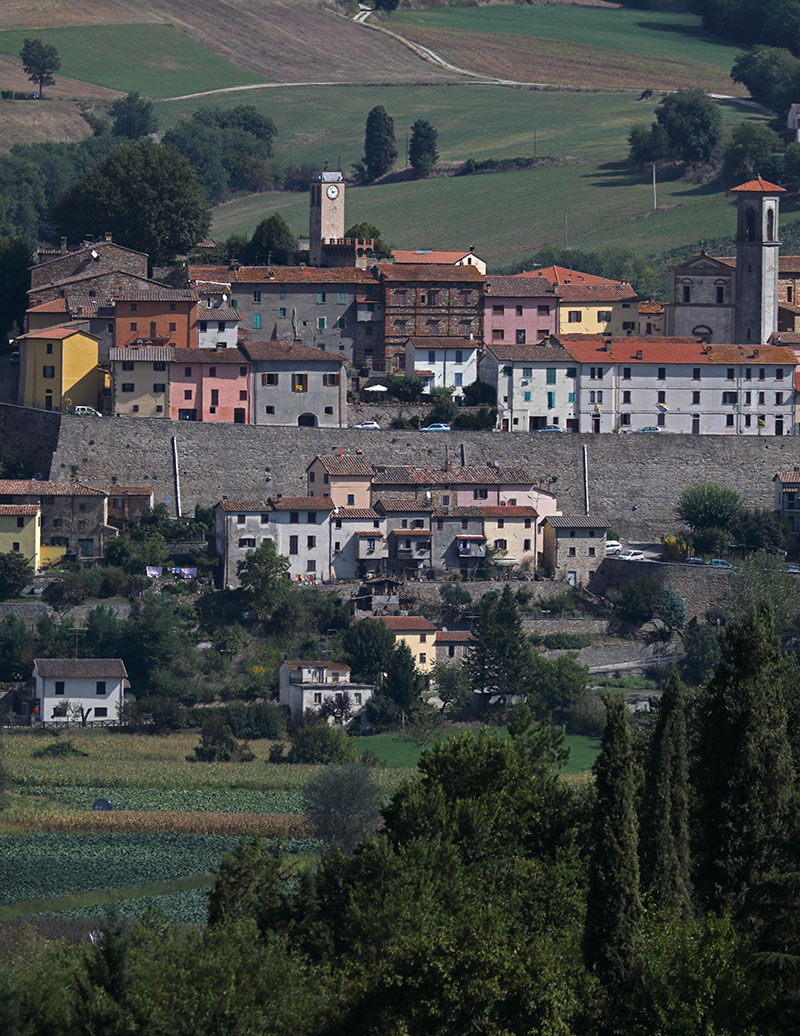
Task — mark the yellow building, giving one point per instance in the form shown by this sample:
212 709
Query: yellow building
21 532
140 381
345 478
59 365
511 531
418 634
591 305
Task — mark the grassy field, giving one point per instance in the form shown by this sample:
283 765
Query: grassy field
155 59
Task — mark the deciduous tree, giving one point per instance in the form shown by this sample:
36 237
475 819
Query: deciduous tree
709 506
271 241
342 803
39 60
264 574
133 117
15 260
15 573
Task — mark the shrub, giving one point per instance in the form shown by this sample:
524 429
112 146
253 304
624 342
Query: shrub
258 719
676 548
342 802
276 753
58 749
313 741
218 745
585 716
572 641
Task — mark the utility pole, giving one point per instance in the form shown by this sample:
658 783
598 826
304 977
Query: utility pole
406 150
655 203
534 143
566 228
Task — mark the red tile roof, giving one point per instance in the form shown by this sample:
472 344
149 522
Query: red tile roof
651 307
519 286
32 487
230 316
759 186
509 511
358 512
370 534
412 533
428 256
57 333
343 464
53 306
476 475
466 511
210 356
81 668
302 503
156 294
281 275
454 637
18 510
550 351
431 273
788 476
406 623
564 275
266 352
245 506
594 349
611 292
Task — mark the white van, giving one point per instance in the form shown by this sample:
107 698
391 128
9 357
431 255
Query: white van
86 411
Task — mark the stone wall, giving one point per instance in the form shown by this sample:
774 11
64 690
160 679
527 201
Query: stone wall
634 480
700 586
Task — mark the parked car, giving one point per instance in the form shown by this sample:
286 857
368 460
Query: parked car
648 429
550 428
86 411
719 563
696 561
613 547
631 555
794 569
14 357
367 424
436 428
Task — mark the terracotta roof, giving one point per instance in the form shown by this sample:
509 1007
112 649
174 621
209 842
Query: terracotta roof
245 506
370 534
209 356
785 337
32 487
406 623
530 353
591 349
454 637
157 295
57 333
431 273
758 186
520 286
789 264
211 286
465 536
209 313
142 354
428 256
130 491
266 352
316 663
53 306
458 512
18 510
454 342
302 503
79 278
412 533
788 476
88 248
358 512
91 668
565 275
789 307
610 292
404 503
281 275
343 464
475 475
651 307
577 521
509 511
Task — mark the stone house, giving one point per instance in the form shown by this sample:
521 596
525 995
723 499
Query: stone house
408 530
140 381
105 285
305 685
96 684
21 532
418 634
296 386
574 546
536 385
156 316
74 516
442 362
128 504
359 546
459 543
519 310
453 646
91 257
460 485
344 478
651 317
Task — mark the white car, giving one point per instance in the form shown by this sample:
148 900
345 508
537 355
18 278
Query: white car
613 547
373 425
631 555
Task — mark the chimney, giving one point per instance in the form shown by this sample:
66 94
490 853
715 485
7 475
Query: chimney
463 449
63 246
107 235
235 265
607 345
639 354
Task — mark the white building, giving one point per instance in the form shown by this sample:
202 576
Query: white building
64 686
684 386
442 257
305 686
536 385
359 547
217 328
443 362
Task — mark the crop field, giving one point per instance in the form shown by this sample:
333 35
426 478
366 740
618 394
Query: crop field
584 47
26 14
156 59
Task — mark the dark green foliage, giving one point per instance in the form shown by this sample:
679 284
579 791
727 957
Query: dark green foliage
743 775
771 74
709 506
637 601
271 241
612 943
342 803
400 689
15 258
386 5
453 689
145 194
422 151
15 574
218 745
649 278
380 149
368 231
39 61
671 609
248 884
688 129
22 198
570 641
264 575
404 389
763 577
58 750
703 653
664 838
257 719
499 663
314 741
754 150
479 392
368 648
761 529
132 117
749 22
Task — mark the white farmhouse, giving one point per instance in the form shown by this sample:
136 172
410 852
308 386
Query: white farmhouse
443 362
217 328
305 685
63 686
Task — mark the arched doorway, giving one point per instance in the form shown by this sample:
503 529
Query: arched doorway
307 421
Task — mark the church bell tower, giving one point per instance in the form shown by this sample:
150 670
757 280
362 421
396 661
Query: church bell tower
326 214
757 249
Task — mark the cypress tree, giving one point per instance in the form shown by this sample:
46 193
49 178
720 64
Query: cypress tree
422 153
744 776
664 843
380 148
612 936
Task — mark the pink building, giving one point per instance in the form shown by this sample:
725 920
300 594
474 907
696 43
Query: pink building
519 310
210 385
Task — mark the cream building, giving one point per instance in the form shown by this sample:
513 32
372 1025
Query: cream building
418 634
21 532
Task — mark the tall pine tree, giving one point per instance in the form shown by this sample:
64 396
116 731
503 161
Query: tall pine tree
422 152
744 776
380 148
664 843
612 939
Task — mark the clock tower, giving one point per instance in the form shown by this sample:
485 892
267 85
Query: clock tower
326 215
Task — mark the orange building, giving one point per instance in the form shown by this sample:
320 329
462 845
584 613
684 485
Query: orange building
158 317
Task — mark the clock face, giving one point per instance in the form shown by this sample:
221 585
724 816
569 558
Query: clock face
333 191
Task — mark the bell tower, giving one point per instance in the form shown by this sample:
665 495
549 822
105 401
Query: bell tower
326 214
757 249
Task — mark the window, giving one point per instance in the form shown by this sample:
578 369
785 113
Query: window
572 552
480 494
662 397
330 379
269 409
159 387
256 298
730 398
127 386
342 297
423 658
159 366
729 420
499 310
220 325
311 566
596 373
127 365
748 373
626 374
625 419
269 379
433 298
591 552
551 376
730 373
574 316
695 373
543 311
59 688
187 393
661 420
662 373
778 399
695 399
551 400
497 334
459 356
172 307
507 371
400 297
321 323
15 547
293 545
687 293
212 372
761 399
603 316
466 298
779 373
174 327
247 541
311 518
100 687
720 294
526 396
256 321
48 372
433 326
341 323
265 519
311 542
626 396
187 372
299 383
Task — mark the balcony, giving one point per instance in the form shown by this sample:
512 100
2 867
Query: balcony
471 546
